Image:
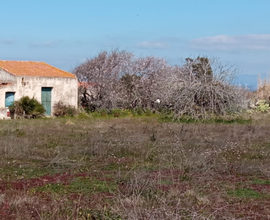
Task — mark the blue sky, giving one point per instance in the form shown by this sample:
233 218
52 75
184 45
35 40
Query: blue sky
64 33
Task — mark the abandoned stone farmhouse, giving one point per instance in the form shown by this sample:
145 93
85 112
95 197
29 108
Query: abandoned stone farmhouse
46 83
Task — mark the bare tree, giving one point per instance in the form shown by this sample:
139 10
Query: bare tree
104 72
203 88
120 79
199 88
148 74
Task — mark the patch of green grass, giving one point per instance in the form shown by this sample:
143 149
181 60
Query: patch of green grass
117 113
244 193
15 171
106 213
50 188
81 185
261 181
86 185
185 177
232 121
12 132
148 166
126 152
166 118
111 166
190 120
165 182
83 115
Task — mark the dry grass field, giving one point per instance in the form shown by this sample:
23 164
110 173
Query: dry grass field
134 168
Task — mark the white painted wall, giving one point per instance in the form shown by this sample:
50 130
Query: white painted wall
6 77
63 89
3 113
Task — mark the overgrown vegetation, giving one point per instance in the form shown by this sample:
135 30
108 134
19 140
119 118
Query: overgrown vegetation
199 88
61 110
263 91
27 107
121 157
134 168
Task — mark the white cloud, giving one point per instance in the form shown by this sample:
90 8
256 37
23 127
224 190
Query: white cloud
233 43
152 45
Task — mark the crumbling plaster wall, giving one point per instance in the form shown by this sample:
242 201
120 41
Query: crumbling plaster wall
63 89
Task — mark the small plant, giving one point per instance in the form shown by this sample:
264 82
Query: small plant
98 214
262 106
116 113
83 115
103 112
27 107
133 112
61 110
139 111
148 112
153 136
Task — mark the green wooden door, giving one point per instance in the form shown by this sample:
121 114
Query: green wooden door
46 99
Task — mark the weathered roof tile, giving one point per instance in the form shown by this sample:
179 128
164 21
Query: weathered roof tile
32 68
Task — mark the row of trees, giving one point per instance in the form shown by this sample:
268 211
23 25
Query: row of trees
198 87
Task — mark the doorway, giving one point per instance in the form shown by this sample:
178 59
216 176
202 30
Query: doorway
46 100
9 99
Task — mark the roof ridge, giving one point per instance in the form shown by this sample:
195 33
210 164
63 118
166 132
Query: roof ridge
21 61
56 68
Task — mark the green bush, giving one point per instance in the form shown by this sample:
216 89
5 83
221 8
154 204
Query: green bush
103 112
139 111
119 112
26 107
148 112
133 112
116 113
83 115
263 106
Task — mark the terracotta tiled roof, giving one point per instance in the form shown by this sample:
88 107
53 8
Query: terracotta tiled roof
31 68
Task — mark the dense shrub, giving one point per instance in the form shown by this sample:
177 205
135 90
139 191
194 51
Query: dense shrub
27 107
199 88
61 110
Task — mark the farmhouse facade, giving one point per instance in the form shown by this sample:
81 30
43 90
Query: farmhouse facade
46 83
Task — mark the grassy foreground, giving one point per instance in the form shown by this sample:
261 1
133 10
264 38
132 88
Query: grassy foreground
133 168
